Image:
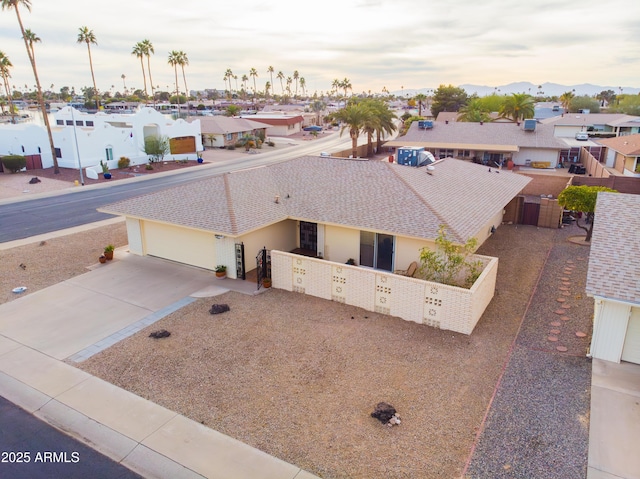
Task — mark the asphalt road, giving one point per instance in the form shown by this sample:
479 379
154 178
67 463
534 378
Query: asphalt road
77 207
31 449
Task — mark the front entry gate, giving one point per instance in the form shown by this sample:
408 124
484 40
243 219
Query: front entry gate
263 265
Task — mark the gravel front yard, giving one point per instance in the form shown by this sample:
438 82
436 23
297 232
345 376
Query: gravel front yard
298 377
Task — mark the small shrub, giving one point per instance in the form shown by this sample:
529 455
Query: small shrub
148 166
14 163
124 162
231 147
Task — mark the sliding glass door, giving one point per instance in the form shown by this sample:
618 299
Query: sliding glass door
376 250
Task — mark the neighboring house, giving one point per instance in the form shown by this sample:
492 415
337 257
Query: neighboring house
623 154
100 136
380 214
613 279
279 124
491 143
222 131
597 125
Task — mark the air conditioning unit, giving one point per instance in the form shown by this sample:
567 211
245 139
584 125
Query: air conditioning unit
530 125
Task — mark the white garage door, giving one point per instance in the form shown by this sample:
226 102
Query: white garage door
631 349
182 245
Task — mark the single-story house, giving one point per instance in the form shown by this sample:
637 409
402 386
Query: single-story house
84 139
323 212
613 278
597 125
221 131
623 154
278 124
490 142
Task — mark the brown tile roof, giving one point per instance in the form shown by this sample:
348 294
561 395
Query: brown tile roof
277 121
614 261
628 145
492 135
368 195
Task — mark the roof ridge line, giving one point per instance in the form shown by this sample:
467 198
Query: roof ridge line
423 201
232 214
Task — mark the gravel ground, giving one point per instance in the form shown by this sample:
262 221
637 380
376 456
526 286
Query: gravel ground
538 425
298 377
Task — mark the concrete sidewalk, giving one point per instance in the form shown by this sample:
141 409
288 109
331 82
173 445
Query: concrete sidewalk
91 311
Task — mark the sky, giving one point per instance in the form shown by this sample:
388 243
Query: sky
376 44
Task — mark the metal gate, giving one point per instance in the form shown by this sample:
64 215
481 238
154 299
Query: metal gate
240 271
263 265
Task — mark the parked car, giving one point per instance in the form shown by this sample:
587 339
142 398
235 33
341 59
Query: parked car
582 136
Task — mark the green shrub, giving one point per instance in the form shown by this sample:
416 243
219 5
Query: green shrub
14 163
124 162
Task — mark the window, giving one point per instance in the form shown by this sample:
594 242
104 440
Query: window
89 123
464 153
229 136
109 153
376 250
58 153
79 123
446 153
69 123
60 122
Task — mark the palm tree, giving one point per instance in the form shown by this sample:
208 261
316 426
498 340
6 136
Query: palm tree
517 106
353 117
253 73
280 76
138 51
174 61
474 112
87 36
5 64
270 71
229 75
565 100
245 79
148 51
267 87
335 85
183 61
346 84
385 120
303 84
289 82
9 4
296 75
419 98
124 83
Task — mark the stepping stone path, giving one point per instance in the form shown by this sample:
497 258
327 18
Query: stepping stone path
555 323
580 334
555 331
564 279
562 349
564 318
553 339
563 288
560 311
561 300
565 306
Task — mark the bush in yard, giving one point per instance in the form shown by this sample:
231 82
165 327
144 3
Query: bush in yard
123 162
450 263
14 163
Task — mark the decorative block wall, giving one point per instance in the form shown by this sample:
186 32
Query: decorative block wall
424 302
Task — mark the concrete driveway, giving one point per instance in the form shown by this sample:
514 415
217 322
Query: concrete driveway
68 317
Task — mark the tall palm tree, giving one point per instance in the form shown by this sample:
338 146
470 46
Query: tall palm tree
289 82
303 84
9 4
87 36
353 117
517 106
174 61
280 76
245 79
229 75
335 85
5 64
183 61
253 73
267 87
384 120
124 83
296 75
138 51
148 51
270 71
346 84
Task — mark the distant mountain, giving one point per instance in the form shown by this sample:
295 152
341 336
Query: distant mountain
547 89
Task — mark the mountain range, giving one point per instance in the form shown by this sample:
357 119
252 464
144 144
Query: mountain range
547 89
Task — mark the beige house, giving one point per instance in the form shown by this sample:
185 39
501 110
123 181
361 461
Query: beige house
279 123
623 154
325 211
490 143
222 131
613 279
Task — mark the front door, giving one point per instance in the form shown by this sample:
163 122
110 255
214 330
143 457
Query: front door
309 236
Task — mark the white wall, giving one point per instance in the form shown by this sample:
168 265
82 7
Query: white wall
610 322
536 154
33 138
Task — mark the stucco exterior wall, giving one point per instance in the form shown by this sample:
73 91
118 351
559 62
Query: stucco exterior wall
423 302
32 138
281 236
134 234
520 157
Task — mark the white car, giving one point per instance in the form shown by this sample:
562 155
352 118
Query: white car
582 136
